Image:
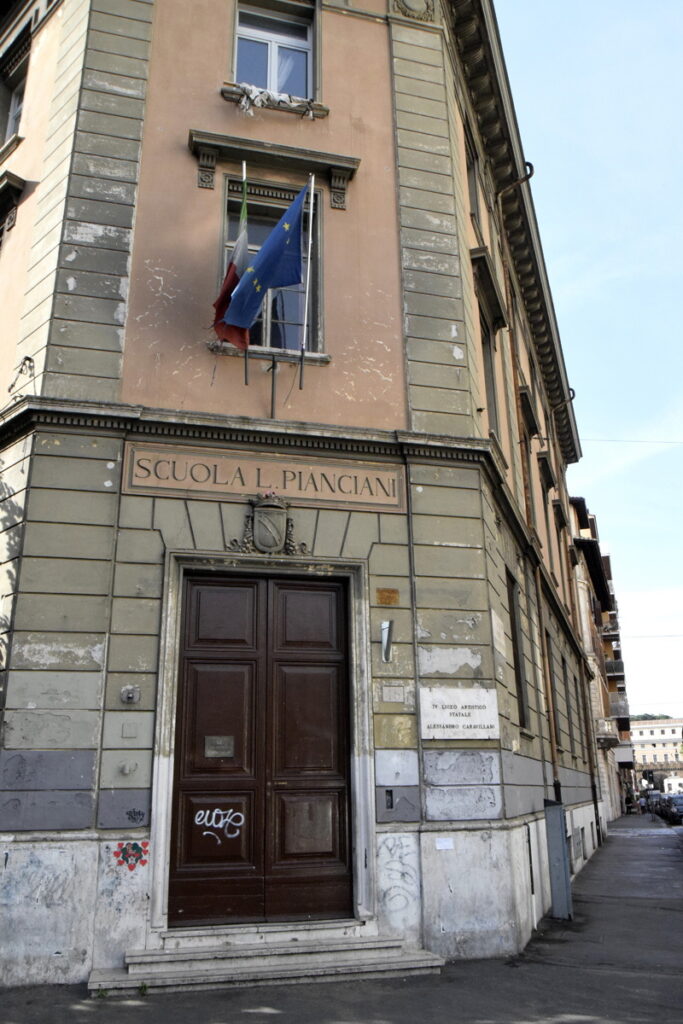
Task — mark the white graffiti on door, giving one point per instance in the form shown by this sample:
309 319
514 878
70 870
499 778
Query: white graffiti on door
228 822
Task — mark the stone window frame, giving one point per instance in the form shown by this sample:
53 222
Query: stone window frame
14 64
275 37
276 197
294 10
516 635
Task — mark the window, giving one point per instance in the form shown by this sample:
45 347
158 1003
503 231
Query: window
280 322
568 702
472 174
274 52
13 71
488 352
517 649
555 720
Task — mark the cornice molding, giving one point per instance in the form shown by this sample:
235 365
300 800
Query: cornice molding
128 422
478 45
33 412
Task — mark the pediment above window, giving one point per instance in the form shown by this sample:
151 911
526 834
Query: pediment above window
209 148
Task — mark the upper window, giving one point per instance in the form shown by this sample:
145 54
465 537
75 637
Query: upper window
16 102
274 53
281 320
13 71
517 649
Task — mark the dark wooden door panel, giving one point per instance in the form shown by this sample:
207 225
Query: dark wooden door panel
308 829
223 731
306 619
307 736
261 805
223 615
220 830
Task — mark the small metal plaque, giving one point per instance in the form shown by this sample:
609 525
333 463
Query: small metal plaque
219 746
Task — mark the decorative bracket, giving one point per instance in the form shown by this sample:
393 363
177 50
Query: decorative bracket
206 158
11 188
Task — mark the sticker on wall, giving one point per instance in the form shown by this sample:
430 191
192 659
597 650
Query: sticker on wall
131 854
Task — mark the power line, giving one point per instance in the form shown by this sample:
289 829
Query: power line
627 440
651 636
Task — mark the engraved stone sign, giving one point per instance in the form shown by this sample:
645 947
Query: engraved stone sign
455 713
225 475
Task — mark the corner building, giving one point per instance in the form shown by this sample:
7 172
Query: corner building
352 713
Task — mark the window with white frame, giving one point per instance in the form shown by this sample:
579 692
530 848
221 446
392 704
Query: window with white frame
13 71
274 52
281 320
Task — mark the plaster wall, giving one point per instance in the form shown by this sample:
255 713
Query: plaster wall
42 160
471 893
177 262
48 896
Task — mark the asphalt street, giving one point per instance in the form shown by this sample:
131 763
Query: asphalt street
619 961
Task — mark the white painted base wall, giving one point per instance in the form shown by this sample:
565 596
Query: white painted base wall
68 907
65 908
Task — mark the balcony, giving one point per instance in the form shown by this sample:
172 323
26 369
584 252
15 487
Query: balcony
614 668
606 733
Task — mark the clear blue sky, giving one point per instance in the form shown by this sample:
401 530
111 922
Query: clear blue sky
598 90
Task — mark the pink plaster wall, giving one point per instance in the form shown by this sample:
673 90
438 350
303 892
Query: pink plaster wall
178 229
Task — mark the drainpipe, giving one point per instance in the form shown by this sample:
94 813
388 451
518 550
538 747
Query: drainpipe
416 669
550 704
592 767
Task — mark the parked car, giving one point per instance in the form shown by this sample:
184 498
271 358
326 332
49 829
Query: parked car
675 809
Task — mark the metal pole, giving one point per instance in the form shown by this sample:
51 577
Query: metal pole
273 370
307 289
246 351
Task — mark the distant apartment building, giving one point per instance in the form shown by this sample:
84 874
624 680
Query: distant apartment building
658 745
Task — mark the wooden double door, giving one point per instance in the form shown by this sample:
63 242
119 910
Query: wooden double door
261 815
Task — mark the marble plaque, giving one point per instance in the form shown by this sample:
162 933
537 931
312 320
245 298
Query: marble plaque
454 713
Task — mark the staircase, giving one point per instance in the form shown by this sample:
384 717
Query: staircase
198 959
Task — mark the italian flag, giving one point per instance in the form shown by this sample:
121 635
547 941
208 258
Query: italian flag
238 336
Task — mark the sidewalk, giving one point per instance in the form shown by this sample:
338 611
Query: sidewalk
620 961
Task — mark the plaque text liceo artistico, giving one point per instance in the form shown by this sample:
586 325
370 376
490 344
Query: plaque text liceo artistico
236 476
452 713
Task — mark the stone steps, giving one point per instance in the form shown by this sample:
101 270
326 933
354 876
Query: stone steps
279 963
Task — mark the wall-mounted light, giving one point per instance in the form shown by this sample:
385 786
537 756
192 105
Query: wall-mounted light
387 631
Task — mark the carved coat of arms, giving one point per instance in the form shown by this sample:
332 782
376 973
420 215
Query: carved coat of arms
269 524
268 528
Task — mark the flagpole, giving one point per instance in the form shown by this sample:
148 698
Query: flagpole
273 371
308 281
246 351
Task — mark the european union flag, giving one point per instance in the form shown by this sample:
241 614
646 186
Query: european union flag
276 264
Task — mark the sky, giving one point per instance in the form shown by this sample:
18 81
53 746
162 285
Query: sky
598 91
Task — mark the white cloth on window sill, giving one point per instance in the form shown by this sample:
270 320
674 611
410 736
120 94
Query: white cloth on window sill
252 96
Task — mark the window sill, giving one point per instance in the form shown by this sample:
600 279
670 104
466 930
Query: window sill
249 96
282 355
527 734
9 146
